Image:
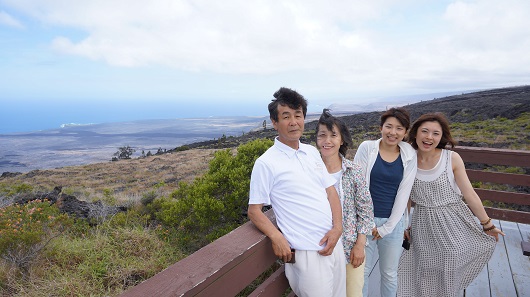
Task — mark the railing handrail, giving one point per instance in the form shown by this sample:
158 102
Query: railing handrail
494 156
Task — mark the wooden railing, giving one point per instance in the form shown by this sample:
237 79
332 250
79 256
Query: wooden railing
232 262
500 157
222 268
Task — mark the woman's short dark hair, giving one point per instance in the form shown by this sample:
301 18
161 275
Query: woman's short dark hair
439 117
286 96
400 113
328 120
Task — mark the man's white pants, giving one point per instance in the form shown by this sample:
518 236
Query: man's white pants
314 275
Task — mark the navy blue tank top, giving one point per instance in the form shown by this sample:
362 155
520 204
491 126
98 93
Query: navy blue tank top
385 178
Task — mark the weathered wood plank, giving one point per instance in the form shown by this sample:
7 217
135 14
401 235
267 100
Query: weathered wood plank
525 246
501 281
499 177
519 264
494 156
275 285
525 231
509 215
525 235
503 196
232 280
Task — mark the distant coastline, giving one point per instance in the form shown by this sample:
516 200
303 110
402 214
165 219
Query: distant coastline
84 144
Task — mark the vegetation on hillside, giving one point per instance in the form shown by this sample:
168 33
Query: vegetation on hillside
215 203
498 132
46 253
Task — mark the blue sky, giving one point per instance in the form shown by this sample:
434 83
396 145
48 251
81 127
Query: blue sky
117 60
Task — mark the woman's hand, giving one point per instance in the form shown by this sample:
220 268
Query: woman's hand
495 233
406 234
357 255
375 234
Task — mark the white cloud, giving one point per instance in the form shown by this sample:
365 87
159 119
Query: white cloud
228 36
370 45
484 38
8 20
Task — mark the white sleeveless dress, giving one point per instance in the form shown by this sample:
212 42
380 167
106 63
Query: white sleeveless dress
448 246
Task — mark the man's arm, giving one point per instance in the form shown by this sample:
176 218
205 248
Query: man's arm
280 245
332 236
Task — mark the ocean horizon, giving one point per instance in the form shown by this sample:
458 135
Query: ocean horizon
75 144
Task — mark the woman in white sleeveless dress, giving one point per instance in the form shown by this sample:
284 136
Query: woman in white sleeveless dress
448 246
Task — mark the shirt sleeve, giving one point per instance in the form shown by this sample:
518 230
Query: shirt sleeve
260 184
363 204
361 157
358 213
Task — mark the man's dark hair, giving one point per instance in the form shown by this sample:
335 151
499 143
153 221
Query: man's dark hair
328 120
286 96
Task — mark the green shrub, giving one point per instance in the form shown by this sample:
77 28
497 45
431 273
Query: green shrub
181 148
148 197
508 169
476 184
108 197
131 218
17 188
26 229
215 203
487 203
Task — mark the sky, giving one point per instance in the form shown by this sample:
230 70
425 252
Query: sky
92 61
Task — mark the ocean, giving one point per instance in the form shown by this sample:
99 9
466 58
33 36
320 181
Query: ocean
74 144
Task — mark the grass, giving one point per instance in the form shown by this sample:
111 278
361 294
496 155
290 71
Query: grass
498 132
100 261
122 178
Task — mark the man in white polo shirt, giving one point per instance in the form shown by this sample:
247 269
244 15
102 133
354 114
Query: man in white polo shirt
291 177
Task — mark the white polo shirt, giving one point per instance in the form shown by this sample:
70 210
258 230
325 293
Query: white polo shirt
294 182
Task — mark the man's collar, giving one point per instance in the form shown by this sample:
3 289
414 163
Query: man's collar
289 151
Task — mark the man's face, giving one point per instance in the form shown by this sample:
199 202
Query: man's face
290 125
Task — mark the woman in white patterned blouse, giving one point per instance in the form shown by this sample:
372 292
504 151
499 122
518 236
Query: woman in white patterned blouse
333 141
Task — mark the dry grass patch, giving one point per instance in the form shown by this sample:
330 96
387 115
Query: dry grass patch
124 178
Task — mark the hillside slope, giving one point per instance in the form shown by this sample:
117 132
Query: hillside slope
506 102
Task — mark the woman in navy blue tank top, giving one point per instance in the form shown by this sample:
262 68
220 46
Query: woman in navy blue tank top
389 166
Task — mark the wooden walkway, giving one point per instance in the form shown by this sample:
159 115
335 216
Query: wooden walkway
506 275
